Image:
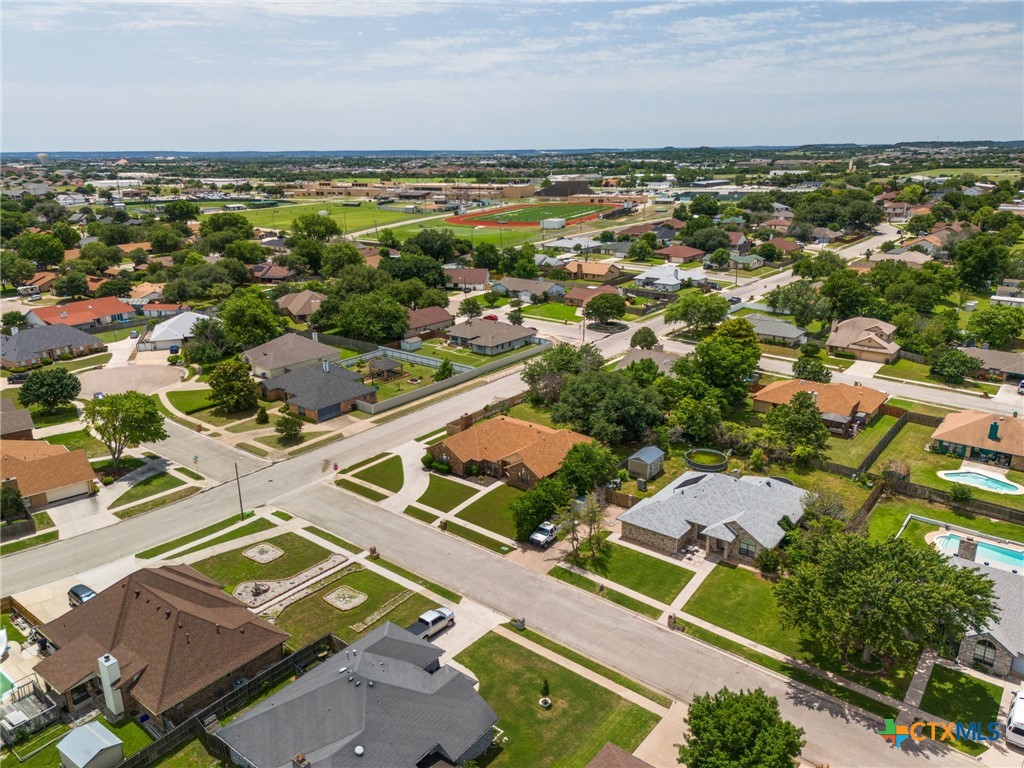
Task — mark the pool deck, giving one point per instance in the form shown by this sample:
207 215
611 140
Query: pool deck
997 474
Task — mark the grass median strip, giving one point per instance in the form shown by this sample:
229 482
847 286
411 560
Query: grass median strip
593 666
421 514
256 526
188 473
388 474
444 494
363 463
335 540
149 486
252 449
361 490
181 541
152 504
478 538
437 589
627 602
27 543
788 670
282 516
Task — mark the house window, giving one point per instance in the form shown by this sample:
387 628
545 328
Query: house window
747 548
985 653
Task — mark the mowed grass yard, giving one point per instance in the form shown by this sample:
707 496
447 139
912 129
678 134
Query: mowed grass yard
552 311
503 237
388 474
961 698
149 486
534 214
888 515
908 369
642 573
230 569
437 348
850 452
350 218
742 602
83 439
582 718
908 447
444 494
312 616
491 511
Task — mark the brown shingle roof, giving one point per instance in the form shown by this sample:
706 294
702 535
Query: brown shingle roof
466 276
489 333
289 349
971 428
40 467
863 333
844 399
171 625
584 293
421 318
503 438
784 245
14 419
301 303
680 253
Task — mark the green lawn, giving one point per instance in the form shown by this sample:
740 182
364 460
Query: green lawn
255 526
491 511
388 474
534 214
127 464
130 733
532 413
160 501
188 473
40 418
421 514
642 573
888 515
444 494
503 237
190 401
434 587
27 543
742 602
13 633
86 362
363 463
589 585
850 452
908 446
956 697
279 443
481 539
437 348
312 616
582 719
192 754
424 375
349 218
181 541
251 425
360 489
923 408
552 311
232 568
335 540
81 439
818 481
150 486
594 666
253 449
908 369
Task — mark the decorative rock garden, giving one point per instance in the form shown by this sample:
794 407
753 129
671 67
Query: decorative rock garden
345 598
263 553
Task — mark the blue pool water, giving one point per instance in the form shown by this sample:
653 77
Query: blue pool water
979 480
996 556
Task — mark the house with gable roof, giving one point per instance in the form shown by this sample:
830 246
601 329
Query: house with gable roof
866 338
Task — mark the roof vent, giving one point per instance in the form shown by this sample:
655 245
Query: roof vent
358 683
351 678
359 751
369 683
343 670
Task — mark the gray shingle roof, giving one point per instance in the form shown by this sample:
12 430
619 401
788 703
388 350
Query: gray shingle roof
1007 362
1008 629
29 343
13 418
314 388
664 360
391 707
289 349
648 455
490 333
710 501
770 326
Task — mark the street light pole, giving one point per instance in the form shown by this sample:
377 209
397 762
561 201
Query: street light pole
238 484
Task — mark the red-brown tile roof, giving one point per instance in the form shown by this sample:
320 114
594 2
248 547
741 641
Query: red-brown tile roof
79 312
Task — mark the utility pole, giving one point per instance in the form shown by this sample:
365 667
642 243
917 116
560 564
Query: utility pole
238 484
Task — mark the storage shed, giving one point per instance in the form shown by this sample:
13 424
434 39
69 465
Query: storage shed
90 746
647 463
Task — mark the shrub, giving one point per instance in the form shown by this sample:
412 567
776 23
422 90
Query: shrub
427 460
108 480
845 355
173 359
66 356
757 460
961 494
47 361
261 416
442 468
768 561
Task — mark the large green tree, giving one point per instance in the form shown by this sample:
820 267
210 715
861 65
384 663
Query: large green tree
375 317
726 359
124 419
14 270
890 598
67 234
41 249
315 227
605 308
996 324
697 310
587 466
607 405
811 369
540 503
739 730
796 428
545 374
980 259
72 284
232 388
953 366
181 210
249 317
644 338
49 388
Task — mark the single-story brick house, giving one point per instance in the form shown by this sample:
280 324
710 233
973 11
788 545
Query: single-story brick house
490 337
471 278
680 254
844 408
980 436
771 330
299 306
45 473
996 364
319 393
288 353
517 451
524 289
155 309
580 295
428 319
15 423
736 518
33 345
164 642
866 338
597 271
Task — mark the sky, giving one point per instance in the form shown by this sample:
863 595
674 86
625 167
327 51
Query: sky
530 74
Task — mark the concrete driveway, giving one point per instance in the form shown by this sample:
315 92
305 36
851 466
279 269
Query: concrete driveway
145 378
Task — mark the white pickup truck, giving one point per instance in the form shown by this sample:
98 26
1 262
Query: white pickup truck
545 535
432 622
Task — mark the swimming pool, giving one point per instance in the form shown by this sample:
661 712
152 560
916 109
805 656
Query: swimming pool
983 480
998 557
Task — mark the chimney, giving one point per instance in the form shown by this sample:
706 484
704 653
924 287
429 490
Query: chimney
110 674
814 396
300 761
993 431
835 324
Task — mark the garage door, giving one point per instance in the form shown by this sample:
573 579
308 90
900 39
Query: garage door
67 492
1018 664
330 412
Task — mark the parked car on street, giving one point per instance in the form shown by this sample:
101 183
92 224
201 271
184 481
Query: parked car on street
545 535
432 622
735 299
133 335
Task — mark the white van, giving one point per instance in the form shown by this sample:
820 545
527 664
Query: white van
1015 720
